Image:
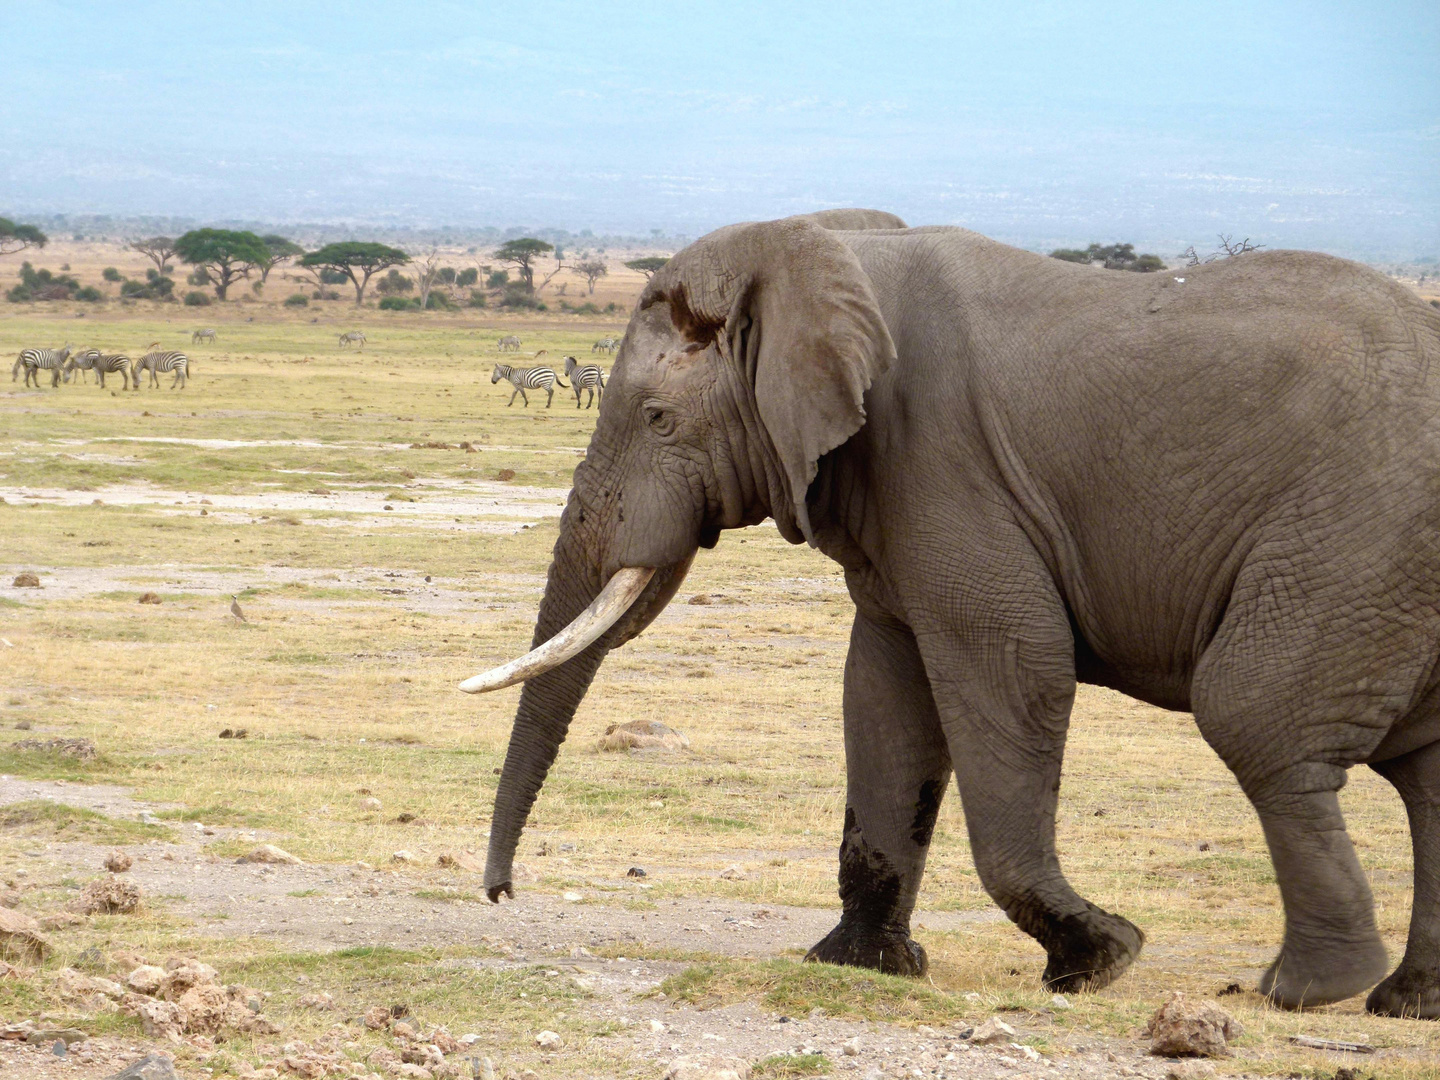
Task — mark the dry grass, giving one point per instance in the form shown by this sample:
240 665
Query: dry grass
344 686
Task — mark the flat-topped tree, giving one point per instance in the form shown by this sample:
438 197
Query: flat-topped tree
647 265
592 270
523 253
15 237
280 249
357 260
225 255
158 249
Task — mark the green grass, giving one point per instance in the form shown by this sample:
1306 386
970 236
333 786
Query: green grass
39 817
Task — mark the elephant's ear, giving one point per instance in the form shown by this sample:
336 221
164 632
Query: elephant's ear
791 305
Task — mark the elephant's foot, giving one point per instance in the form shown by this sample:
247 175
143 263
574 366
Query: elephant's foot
1306 978
1089 951
1408 992
891 951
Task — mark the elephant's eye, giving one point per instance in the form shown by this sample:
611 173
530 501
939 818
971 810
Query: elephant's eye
660 421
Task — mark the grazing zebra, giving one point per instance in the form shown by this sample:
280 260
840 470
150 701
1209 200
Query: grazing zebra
109 363
353 337
35 361
82 361
605 345
535 378
202 335
157 362
510 344
585 377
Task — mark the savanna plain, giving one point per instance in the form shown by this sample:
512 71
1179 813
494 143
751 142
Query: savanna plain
384 521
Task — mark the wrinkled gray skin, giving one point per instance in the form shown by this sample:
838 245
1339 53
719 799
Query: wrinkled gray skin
1221 495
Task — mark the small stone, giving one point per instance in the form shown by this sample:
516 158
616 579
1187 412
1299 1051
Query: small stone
49 1036
1196 1070
461 860
271 855
993 1031
149 598
377 1018
548 1040
108 896
707 1067
1029 1053
733 873
571 897
117 862
150 1067
656 1027
641 735
636 872
321 1002
580 952
1182 1028
402 856
26 580
1060 1001
370 803
851 1047
145 979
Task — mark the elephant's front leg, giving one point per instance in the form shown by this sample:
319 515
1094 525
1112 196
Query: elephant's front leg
897 767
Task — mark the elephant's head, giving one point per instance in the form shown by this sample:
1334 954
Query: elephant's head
746 360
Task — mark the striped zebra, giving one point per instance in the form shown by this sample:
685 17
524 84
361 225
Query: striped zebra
156 362
605 345
585 377
82 361
535 378
34 361
509 344
109 363
353 337
202 335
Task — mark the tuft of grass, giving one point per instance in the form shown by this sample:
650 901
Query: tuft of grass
790 1066
40 817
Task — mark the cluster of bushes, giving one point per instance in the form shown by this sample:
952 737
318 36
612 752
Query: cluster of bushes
436 301
45 285
1112 257
156 286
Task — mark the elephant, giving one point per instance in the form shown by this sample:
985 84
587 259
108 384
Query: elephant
1216 490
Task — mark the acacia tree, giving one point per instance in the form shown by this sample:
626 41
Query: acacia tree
427 272
357 260
647 265
523 253
223 255
158 249
280 249
15 237
593 270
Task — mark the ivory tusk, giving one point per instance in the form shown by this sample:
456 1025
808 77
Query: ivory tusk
605 610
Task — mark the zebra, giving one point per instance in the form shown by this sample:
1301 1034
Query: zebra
353 337
202 335
82 361
605 345
109 363
535 378
157 362
510 344
35 361
585 377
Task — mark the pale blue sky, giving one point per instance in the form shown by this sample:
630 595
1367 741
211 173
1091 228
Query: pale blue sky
1313 124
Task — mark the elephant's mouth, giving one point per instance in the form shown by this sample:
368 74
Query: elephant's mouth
620 592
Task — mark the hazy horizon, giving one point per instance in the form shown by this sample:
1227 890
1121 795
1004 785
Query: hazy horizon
1048 124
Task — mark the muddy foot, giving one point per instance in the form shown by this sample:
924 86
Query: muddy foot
1307 979
892 952
1089 951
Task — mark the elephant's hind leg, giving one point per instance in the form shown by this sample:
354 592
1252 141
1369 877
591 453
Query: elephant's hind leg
1414 987
897 766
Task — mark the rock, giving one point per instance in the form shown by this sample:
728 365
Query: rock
1192 1070
50 1036
571 897
378 1018
60 920
181 975
851 1047
150 1067
733 873
321 1002
700 599
272 855
461 860
74 984
707 1067
642 734
26 580
444 1041
403 856
158 1019
146 979
992 1031
548 1040
636 872
1183 1028
1060 1001
107 896
117 862
20 936
205 1008
1029 1053
370 803
149 598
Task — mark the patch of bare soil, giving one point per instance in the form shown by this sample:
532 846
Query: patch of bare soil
347 906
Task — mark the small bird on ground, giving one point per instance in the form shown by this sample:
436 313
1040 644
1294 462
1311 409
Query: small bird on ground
235 609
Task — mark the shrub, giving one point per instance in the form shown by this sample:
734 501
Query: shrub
498 280
198 276
19 294
438 301
611 308
137 289
110 274
324 294
196 298
447 275
43 285
394 303
257 287
466 278
477 299
394 283
297 300
90 294
518 296
333 277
